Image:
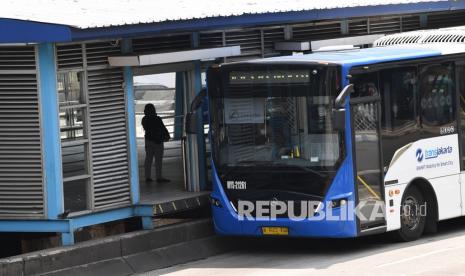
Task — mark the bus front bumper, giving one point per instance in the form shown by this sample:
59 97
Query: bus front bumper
227 222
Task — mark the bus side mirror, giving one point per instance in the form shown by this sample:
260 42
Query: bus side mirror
190 122
338 119
341 98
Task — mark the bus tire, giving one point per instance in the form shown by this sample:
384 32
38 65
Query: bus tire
412 220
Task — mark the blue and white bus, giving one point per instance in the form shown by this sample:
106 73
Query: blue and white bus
359 128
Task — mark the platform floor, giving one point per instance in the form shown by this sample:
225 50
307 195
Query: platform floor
156 193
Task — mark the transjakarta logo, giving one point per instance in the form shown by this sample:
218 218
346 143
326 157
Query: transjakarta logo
432 152
435 152
419 155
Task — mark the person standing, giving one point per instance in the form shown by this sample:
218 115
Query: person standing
155 135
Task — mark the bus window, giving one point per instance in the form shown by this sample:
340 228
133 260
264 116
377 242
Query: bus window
437 99
461 115
398 120
366 85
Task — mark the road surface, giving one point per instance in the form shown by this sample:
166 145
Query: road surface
442 253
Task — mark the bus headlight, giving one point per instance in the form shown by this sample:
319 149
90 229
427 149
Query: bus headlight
338 202
215 202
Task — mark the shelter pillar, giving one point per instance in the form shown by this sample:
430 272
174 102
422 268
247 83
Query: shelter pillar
179 103
126 47
201 149
49 116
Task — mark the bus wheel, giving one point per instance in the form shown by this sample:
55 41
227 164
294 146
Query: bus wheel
412 219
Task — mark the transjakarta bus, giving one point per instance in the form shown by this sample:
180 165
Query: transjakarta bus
350 131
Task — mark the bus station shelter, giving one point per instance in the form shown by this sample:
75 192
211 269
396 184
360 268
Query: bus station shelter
68 146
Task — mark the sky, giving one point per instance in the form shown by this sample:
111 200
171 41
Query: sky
167 79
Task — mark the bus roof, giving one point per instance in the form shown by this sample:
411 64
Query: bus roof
367 55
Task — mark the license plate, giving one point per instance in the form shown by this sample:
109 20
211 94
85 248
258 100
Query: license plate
276 231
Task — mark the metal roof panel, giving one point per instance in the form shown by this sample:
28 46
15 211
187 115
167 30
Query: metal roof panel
84 14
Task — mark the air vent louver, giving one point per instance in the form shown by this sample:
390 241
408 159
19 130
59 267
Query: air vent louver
109 139
315 31
21 180
250 42
97 53
384 25
270 36
162 44
69 56
448 19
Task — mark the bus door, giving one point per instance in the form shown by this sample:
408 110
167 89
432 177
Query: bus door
365 116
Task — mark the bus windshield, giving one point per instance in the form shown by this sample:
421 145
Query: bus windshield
270 120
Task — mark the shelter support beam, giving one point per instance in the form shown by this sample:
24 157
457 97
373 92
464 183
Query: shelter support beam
49 116
126 47
179 103
201 149
67 227
200 130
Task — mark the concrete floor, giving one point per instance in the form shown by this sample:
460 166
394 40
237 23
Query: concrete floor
153 192
442 253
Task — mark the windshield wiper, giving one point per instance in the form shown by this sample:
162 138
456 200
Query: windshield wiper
312 171
252 162
226 170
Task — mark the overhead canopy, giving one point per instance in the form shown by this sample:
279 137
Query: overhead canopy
68 20
174 57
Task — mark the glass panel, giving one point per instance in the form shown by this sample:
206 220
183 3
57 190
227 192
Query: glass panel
399 124
283 122
75 195
437 98
271 127
366 85
367 150
367 153
72 123
73 147
461 73
74 161
70 90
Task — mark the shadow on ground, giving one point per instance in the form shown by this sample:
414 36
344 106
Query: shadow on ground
285 253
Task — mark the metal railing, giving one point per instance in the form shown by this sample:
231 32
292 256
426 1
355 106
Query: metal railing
168 120
174 149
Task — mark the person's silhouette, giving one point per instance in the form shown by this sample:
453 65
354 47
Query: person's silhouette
155 134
